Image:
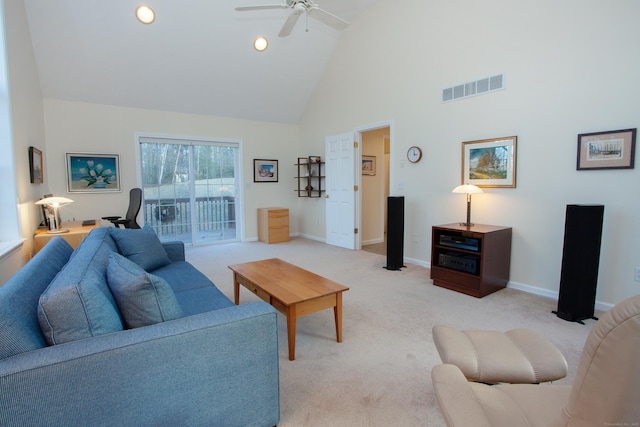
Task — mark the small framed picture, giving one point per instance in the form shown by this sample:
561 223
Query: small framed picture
614 149
368 165
93 173
265 170
490 162
35 166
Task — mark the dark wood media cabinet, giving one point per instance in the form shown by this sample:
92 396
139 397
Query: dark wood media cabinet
474 260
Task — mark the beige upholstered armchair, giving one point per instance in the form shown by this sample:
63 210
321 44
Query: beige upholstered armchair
606 389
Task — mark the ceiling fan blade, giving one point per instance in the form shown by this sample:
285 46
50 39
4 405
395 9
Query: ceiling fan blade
266 6
290 23
328 18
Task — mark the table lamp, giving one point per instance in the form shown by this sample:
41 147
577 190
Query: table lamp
468 190
55 203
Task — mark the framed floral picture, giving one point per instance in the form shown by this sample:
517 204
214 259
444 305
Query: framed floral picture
93 173
265 170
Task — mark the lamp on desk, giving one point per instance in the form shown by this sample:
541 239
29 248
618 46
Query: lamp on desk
55 203
468 190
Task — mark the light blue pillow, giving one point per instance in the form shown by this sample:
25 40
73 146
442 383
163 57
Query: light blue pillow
143 298
78 304
141 246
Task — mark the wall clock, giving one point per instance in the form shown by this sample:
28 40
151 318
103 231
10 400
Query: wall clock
414 154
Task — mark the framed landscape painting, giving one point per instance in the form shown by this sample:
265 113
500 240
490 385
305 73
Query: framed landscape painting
93 173
614 149
490 162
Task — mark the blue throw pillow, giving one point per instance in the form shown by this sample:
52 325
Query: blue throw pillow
141 246
78 304
143 298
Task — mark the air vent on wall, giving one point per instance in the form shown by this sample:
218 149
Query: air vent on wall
476 87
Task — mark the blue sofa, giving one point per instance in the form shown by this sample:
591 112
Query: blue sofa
77 347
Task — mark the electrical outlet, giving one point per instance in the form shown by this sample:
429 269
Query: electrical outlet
637 275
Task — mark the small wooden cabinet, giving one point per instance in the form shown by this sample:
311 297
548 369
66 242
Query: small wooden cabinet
273 225
310 176
474 260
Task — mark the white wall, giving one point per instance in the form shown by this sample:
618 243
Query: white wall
571 67
93 128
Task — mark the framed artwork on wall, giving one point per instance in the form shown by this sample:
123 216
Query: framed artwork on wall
35 166
93 173
265 170
614 149
490 162
368 165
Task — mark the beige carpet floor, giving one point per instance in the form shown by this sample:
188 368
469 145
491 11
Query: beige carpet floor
380 374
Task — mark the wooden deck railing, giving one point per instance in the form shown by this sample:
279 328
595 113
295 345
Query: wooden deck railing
173 216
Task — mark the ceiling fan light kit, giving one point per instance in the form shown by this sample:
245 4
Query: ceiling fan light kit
260 44
298 7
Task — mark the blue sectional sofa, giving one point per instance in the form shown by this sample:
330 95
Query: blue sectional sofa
123 331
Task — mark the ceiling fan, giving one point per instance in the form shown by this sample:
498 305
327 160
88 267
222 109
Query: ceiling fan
298 7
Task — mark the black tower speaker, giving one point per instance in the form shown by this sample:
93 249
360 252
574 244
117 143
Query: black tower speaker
395 233
580 261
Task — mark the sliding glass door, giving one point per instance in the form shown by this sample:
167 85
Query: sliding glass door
190 188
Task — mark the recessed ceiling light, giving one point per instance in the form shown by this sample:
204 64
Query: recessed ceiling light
145 14
260 44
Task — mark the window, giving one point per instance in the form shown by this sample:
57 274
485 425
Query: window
190 189
9 232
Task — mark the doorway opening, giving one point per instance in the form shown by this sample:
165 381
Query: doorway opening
375 187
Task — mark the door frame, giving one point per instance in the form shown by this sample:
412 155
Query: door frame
240 219
358 131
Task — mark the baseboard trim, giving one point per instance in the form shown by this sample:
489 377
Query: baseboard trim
600 306
533 290
372 242
417 262
310 237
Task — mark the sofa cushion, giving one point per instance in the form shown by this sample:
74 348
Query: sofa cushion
19 328
202 300
141 246
78 304
143 298
182 276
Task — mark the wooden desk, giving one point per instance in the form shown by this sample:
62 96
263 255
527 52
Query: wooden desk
77 233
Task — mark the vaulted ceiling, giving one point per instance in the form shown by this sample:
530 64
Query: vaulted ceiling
197 57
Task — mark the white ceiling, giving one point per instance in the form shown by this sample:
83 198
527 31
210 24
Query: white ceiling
197 57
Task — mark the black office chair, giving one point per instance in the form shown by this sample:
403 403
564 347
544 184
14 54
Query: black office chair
129 221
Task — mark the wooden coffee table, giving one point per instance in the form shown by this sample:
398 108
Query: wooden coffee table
291 290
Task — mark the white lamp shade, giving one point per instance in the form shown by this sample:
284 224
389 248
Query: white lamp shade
56 202
467 189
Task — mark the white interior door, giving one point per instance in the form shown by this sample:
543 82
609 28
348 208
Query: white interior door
340 194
